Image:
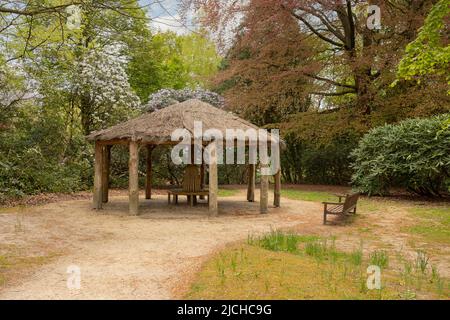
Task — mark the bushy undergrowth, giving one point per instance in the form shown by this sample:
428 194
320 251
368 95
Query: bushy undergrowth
414 154
36 157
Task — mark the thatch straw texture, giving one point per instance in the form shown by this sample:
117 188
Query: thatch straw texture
157 127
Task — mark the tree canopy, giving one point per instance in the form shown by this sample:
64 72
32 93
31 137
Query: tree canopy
430 52
315 69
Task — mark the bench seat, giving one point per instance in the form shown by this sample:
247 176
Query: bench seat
348 206
191 195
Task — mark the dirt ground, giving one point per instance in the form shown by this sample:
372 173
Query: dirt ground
155 255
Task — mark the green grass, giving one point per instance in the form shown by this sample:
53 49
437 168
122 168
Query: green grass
280 241
227 192
433 224
317 196
379 258
288 266
356 256
365 205
251 272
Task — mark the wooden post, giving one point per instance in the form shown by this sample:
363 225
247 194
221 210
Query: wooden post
264 194
213 180
98 176
105 173
202 178
277 189
251 183
134 178
148 179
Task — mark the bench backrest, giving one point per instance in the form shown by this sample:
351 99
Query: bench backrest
350 201
192 179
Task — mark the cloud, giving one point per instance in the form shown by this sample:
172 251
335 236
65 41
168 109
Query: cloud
169 23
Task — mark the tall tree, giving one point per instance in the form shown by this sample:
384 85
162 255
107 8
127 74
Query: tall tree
430 53
354 64
98 46
262 76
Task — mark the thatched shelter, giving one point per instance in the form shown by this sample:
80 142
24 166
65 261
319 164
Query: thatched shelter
153 129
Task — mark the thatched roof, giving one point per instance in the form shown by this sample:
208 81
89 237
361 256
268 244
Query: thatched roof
158 126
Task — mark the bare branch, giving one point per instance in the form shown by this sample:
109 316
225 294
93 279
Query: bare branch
334 94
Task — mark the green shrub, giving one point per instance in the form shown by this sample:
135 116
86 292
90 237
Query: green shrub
414 154
37 156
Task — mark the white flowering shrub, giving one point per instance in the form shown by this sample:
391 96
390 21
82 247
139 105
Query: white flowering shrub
167 97
104 88
13 90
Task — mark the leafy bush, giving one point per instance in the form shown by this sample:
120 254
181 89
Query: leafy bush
36 156
414 154
31 173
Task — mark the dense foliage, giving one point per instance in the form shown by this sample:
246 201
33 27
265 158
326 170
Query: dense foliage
314 69
58 84
311 68
430 52
413 154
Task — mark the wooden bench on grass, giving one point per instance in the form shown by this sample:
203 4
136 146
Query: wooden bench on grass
191 195
341 208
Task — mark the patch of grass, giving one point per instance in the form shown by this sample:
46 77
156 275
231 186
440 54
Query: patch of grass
366 205
318 249
369 205
422 261
433 224
317 196
365 230
14 261
4 262
356 256
287 266
227 192
267 274
325 250
280 241
379 258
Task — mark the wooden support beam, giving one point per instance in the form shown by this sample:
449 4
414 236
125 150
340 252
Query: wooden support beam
105 173
98 176
213 180
134 178
264 194
148 179
251 183
277 189
202 178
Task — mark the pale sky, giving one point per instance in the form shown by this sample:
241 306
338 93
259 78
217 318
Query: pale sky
164 15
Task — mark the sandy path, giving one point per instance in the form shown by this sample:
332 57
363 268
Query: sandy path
123 257
154 256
